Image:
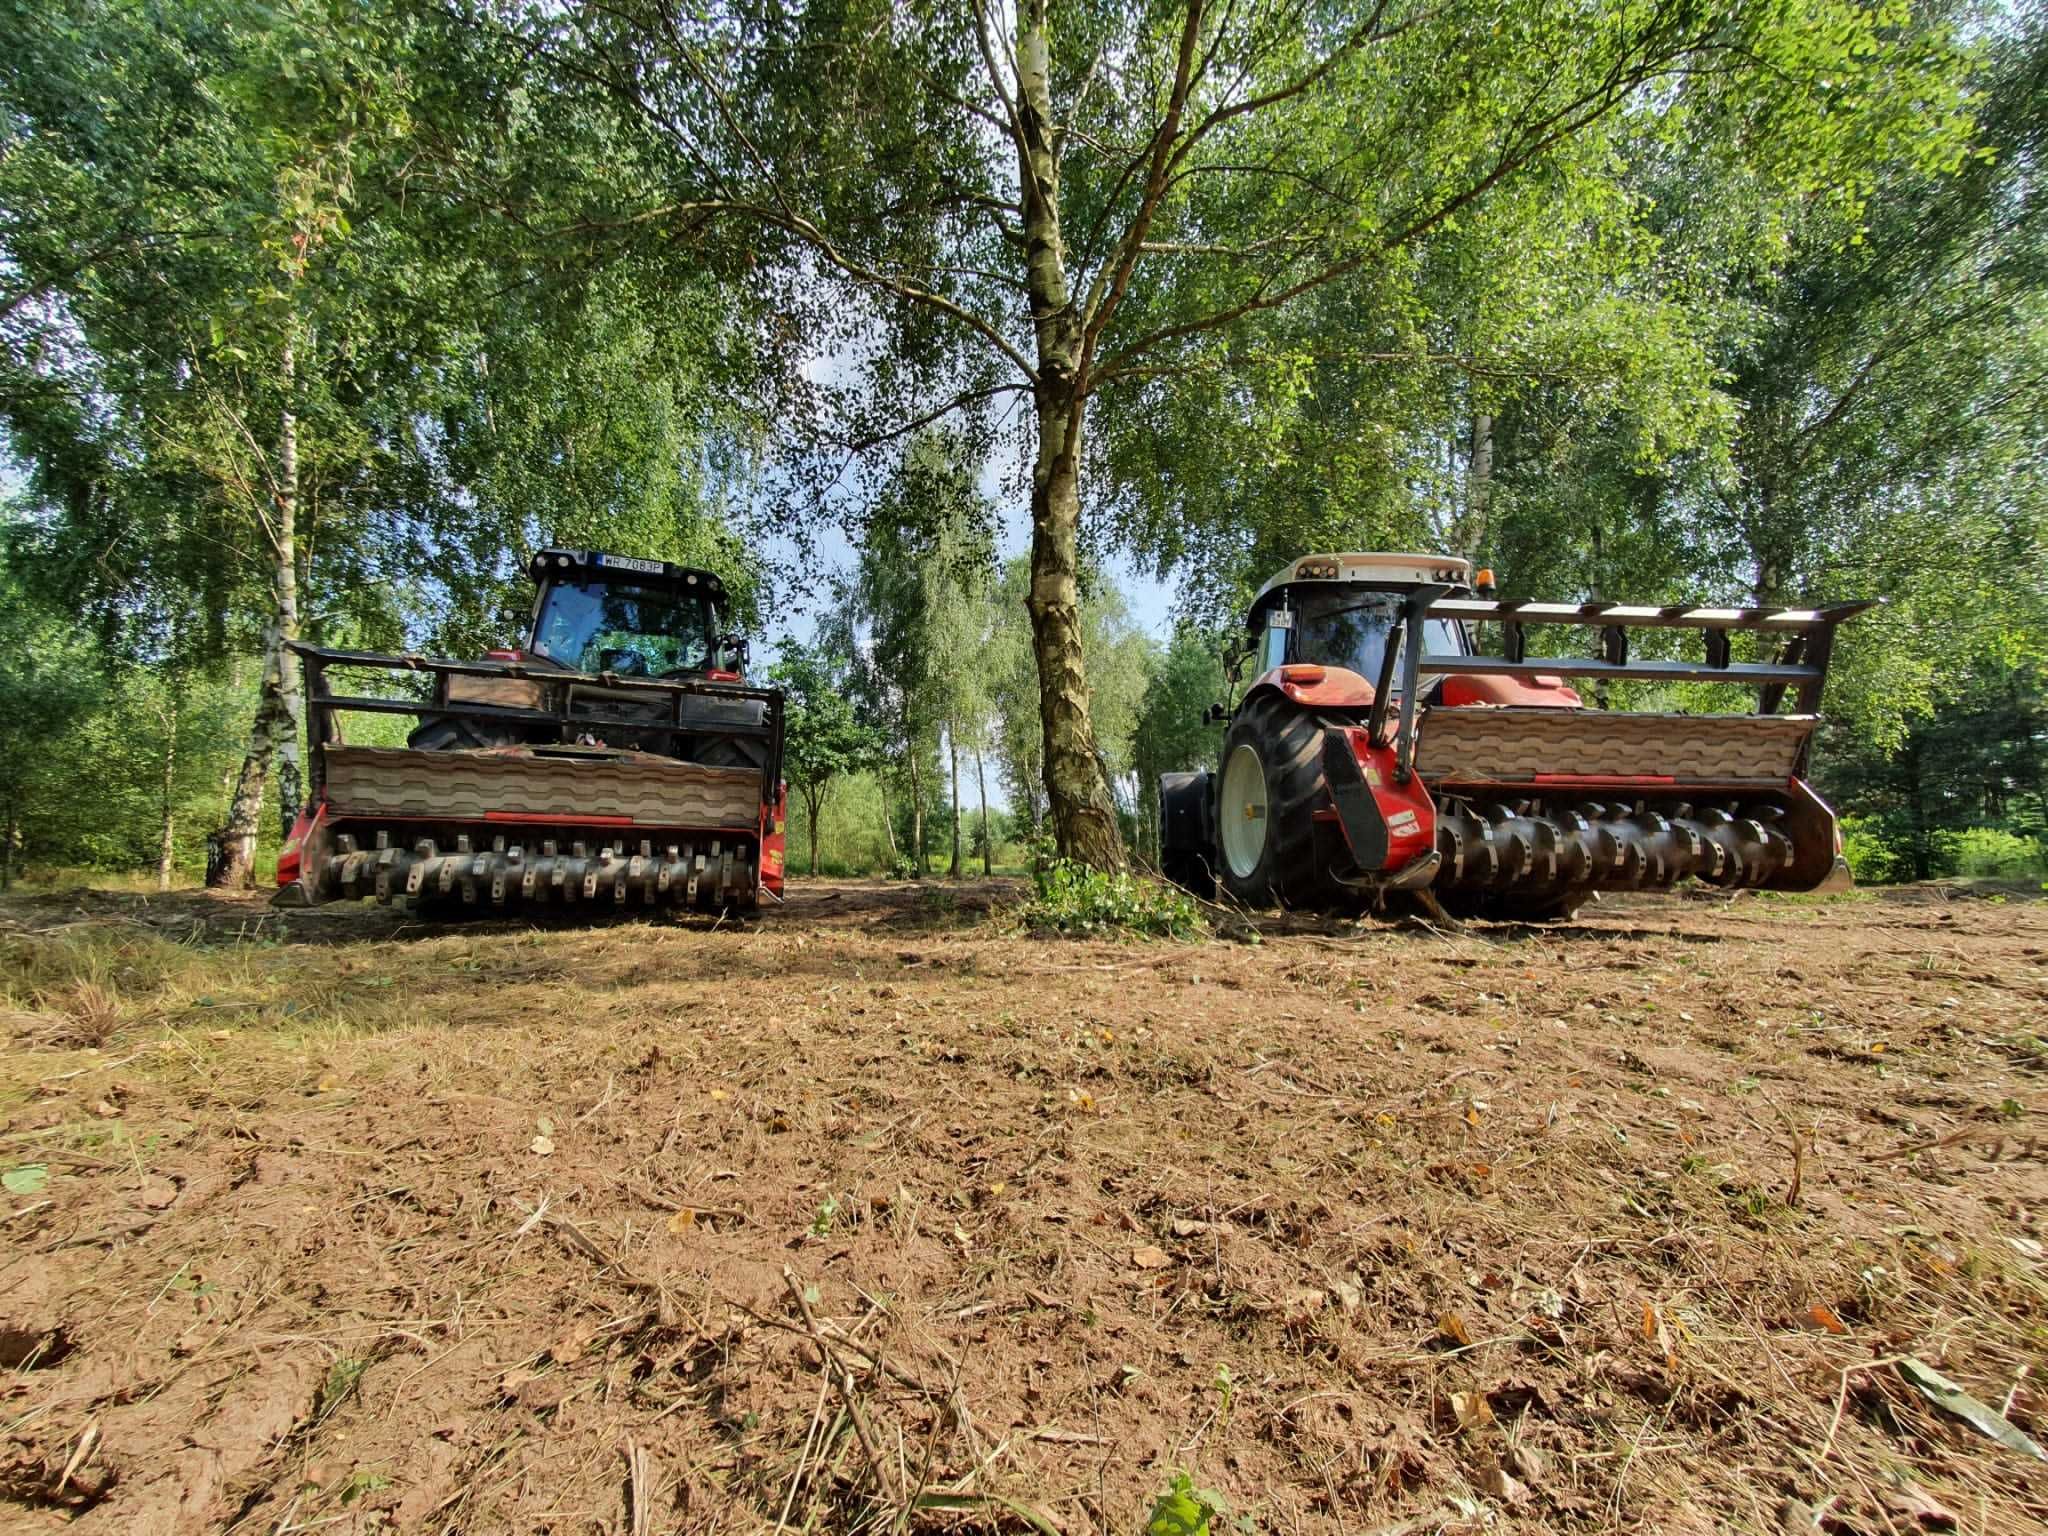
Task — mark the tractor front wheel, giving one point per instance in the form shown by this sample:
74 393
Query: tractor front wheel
1271 784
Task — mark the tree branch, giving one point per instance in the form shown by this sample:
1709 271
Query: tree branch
1586 108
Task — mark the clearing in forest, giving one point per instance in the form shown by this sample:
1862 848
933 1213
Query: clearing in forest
1674 1218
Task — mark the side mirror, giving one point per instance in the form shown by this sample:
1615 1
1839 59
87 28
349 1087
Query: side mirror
736 651
1214 714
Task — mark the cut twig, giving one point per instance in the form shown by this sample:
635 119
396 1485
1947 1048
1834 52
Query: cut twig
1798 1149
803 1459
640 1486
88 1441
842 1380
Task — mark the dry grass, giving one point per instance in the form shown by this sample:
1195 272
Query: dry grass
872 1216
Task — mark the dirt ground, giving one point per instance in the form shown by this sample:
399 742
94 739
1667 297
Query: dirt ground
330 1221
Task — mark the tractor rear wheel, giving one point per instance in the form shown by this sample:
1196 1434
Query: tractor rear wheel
1271 785
453 733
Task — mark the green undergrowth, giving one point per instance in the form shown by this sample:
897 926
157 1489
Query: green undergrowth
1071 898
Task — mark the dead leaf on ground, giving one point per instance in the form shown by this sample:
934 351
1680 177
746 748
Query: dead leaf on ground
1919 1506
1150 1256
543 1146
1471 1410
1496 1483
1823 1318
1452 1327
683 1220
570 1346
156 1193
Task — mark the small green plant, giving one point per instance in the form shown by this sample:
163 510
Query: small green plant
1182 1509
343 1377
1224 1387
1073 899
828 1211
360 1483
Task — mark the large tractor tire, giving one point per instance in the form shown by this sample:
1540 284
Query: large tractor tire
456 733
1270 850
1187 824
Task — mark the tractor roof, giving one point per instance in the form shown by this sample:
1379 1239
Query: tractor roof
1372 567
588 563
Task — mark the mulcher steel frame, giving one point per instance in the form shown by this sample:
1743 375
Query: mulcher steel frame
702 844
1802 661
322 707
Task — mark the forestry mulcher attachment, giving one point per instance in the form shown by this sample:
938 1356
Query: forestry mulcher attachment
616 758
1379 751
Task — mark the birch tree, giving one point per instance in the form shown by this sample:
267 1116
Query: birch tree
1071 206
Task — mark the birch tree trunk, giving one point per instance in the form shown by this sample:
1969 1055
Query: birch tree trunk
1471 537
916 813
1084 819
953 748
274 735
167 820
988 849
888 821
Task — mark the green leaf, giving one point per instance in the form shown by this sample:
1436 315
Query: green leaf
1986 1420
28 1179
1181 1509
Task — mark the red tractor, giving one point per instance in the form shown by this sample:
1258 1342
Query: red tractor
1378 751
617 756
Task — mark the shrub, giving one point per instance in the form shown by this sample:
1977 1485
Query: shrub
1073 899
1873 860
1995 853
1881 852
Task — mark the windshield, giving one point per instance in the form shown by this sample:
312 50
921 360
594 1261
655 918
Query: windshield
1339 630
616 626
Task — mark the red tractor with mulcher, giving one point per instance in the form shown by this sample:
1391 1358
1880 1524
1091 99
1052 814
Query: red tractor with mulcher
618 756
1379 751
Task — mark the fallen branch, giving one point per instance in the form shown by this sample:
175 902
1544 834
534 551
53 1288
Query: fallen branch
842 1380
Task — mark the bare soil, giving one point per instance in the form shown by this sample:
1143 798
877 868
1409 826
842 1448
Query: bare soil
333 1221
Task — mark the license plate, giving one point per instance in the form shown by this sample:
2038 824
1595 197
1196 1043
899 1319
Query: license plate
629 563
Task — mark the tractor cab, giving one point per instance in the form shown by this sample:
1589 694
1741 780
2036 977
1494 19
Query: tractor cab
1336 611
628 617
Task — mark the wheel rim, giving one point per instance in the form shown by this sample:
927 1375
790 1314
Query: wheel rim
1243 811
